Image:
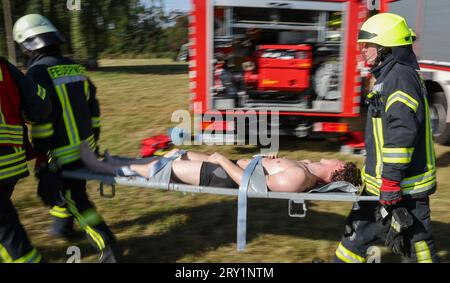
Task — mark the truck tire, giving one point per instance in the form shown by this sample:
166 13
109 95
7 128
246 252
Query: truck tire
438 116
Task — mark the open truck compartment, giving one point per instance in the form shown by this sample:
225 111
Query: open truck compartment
285 57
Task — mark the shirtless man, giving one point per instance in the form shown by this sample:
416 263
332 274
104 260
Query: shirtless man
282 175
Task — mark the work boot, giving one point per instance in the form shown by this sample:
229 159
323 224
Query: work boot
62 227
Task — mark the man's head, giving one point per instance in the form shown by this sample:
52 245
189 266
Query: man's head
333 170
382 32
349 173
35 32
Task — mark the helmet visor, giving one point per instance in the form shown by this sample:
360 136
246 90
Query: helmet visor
43 40
365 35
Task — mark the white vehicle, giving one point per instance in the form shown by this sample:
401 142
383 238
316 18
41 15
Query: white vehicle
430 20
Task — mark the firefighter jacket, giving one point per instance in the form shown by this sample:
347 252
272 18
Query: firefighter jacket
76 114
20 101
399 138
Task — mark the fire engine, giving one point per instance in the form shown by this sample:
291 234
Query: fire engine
298 59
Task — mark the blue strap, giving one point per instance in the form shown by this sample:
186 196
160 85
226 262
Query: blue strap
242 203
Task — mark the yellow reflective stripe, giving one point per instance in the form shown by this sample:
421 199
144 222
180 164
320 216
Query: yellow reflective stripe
423 252
96 122
96 237
419 179
378 137
87 92
60 212
431 156
69 120
400 96
348 256
11 129
5 257
31 257
397 160
42 93
67 154
12 158
13 171
60 71
397 155
42 131
1 75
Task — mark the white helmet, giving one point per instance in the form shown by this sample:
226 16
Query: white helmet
35 31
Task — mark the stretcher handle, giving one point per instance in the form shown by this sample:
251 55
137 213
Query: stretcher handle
102 191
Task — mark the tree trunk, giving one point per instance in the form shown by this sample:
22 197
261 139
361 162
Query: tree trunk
8 31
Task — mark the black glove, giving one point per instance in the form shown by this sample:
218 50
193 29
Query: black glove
50 186
400 221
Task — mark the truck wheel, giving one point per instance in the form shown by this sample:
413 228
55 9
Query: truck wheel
438 116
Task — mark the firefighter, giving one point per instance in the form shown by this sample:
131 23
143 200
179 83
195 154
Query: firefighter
75 118
20 100
400 165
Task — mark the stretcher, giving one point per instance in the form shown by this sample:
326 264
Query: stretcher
251 186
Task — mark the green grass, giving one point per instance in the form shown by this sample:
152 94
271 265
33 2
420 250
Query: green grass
137 99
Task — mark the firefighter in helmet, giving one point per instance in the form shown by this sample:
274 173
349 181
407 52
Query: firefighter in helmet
400 166
20 101
75 118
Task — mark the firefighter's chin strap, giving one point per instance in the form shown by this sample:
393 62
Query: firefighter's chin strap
383 52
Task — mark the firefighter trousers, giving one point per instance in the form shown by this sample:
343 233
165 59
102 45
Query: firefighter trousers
80 208
362 232
15 247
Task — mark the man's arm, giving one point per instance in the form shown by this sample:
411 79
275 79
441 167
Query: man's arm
234 171
290 180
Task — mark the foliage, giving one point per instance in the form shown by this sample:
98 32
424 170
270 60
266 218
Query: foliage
110 28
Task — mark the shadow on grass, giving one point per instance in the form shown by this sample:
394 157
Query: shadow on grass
212 226
146 69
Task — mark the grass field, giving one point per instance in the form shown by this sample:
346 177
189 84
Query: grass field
137 99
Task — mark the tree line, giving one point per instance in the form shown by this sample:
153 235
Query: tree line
107 28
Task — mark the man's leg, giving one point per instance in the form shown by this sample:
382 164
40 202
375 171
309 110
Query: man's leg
420 236
97 232
361 232
14 243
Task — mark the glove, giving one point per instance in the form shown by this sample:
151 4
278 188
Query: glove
391 192
50 185
400 221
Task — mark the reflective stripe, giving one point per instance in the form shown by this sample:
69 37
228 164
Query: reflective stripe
59 71
42 131
12 158
400 96
69 120
431 155
95 122
411 185
13 171
87 91
96 237
31 257
11 129
68 80
378 137
348 256
1 75
60 212
70 153
5 257
397 155
11 139
423 252
42 93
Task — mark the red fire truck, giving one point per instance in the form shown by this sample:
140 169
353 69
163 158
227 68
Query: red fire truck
296 58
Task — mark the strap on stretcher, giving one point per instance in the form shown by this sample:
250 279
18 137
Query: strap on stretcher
251 186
